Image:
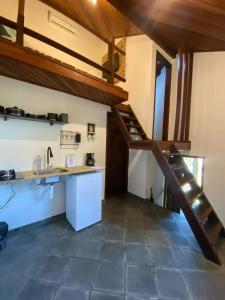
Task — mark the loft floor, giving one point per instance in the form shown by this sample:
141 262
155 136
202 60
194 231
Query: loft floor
139 251
33 67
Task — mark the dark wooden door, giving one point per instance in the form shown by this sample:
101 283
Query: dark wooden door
117 156
162 98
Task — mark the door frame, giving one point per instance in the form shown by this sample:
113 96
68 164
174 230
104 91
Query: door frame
163 63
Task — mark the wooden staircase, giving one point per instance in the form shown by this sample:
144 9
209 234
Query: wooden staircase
196 207
129 124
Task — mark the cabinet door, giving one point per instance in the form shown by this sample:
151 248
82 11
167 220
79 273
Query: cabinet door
88 199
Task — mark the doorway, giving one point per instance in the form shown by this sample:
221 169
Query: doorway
162 98
117 159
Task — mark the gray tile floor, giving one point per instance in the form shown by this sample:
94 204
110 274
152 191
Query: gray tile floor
139 251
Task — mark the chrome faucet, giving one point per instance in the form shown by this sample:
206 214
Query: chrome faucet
49 154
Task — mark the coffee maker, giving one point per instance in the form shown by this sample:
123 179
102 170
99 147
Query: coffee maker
90 161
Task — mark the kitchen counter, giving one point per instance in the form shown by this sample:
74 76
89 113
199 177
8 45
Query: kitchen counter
29 175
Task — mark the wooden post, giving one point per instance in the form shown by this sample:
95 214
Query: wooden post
111 60
20 23
189 90
185 95
179 95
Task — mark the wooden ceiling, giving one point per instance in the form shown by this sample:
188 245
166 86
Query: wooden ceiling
197 25
102 18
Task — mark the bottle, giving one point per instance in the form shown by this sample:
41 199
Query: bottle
37 163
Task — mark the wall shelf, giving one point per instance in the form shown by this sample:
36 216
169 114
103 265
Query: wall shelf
6 117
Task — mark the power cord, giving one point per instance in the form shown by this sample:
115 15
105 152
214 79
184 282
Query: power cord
10 198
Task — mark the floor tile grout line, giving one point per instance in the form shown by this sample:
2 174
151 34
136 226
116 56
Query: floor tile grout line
187 284
27 284
56 291
157 283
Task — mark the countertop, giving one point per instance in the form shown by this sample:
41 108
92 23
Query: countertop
29 175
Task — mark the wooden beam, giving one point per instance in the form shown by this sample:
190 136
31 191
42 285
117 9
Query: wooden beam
8 23
185 95
111 60
179 95
164 145
20 22
189 90
52 66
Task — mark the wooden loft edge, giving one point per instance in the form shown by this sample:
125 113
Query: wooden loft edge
164 145
32 57
68 73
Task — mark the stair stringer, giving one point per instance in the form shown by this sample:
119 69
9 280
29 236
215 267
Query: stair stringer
195 225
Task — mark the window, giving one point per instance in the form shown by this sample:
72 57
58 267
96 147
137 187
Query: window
196 167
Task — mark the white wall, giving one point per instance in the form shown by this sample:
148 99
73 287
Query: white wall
138 84
21 141
159 104
207 130
9 9
140 75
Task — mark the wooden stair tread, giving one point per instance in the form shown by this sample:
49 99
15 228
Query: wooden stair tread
124 108
129 118
176 167
202 210
212 230
193 196
174 154
133 125
137 133
185 180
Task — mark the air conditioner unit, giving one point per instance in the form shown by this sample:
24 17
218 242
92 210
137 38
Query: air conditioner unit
57 21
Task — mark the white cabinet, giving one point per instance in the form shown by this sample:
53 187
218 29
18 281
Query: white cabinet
84 199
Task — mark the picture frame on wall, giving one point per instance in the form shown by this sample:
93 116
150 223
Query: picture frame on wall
91 130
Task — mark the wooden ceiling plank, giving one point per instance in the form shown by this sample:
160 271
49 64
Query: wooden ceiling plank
182 17
124 7
176 23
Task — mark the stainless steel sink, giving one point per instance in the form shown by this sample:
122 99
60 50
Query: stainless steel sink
50 171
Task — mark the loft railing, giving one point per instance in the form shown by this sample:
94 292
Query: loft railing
21 30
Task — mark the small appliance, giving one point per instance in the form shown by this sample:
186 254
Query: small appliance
42 117
2 109
15 111
6 175
90 161
33 116
78 137
64 118
53 117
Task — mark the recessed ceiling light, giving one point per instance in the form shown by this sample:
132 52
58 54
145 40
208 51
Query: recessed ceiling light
94 2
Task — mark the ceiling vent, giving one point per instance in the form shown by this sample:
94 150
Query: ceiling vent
62 24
